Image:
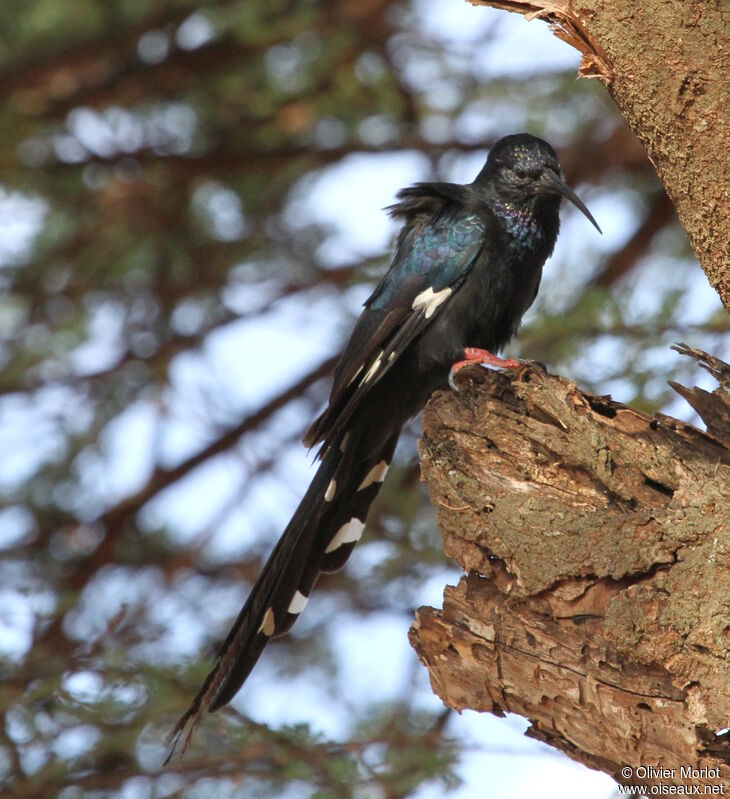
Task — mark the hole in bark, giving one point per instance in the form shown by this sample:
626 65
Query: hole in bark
644 706
660 487
453 649
531 640
602 405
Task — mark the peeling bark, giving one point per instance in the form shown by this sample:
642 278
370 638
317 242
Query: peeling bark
665 64
597 540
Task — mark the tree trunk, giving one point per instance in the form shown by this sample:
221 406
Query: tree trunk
665 63
597 540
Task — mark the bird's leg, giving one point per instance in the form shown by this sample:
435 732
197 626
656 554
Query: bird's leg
472 354
475 355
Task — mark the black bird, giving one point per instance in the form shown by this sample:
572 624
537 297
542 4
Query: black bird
467 266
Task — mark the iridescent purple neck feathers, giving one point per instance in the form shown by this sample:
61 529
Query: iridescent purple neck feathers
519 220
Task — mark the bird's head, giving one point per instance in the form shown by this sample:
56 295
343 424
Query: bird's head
523 169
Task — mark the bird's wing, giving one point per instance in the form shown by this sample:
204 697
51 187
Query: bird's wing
431 261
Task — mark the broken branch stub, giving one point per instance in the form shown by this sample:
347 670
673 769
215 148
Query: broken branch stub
598 544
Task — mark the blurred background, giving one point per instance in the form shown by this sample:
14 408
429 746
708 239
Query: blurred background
190 207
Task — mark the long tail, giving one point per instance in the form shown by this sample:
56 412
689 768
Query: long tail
320 537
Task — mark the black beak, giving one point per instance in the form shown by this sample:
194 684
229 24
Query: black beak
550 183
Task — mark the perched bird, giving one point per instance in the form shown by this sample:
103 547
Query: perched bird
467 266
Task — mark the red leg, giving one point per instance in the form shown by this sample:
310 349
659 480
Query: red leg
475 355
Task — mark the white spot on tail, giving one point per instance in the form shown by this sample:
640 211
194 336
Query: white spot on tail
430 300
329 494
268 625
373 369
298 603
349 533
375 475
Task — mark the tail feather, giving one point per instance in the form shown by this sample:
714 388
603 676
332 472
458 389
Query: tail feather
320 537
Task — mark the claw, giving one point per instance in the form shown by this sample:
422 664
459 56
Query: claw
452 382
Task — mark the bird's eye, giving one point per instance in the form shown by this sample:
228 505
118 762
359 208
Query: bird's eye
520 173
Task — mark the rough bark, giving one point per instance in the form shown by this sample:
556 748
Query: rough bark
597 540
665 63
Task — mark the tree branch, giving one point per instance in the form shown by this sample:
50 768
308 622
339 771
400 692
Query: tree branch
665 64
598 541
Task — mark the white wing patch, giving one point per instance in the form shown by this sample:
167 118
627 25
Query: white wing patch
349 533
329 494
268 625
375 475
429 300
298 603
373 369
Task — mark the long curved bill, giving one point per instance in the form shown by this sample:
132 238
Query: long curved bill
553 184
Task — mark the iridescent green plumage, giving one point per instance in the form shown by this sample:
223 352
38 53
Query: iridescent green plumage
443 251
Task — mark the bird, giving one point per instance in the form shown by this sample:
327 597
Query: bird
467 265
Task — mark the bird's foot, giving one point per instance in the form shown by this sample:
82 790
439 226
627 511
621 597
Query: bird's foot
475 355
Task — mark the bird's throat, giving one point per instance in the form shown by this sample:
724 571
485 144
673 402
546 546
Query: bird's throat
521 221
